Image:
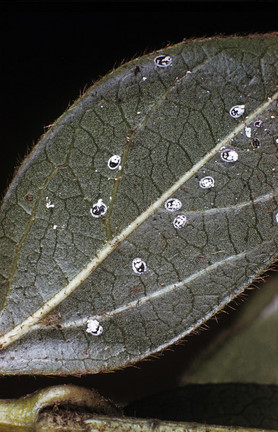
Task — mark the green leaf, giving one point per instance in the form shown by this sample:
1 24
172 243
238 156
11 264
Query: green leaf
27 414
89 243
245 405
247 351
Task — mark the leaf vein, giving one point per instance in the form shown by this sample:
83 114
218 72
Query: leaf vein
23 328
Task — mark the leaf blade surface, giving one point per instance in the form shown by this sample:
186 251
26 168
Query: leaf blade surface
170 126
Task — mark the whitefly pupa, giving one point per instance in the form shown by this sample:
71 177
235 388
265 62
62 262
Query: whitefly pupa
139 266
94 327
173 204
180 221
229 155
163 61
99 209
114 162
206 182
237 110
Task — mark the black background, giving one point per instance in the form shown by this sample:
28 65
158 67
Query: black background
50 52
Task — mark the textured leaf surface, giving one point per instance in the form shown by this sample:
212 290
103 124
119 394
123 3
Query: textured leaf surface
248 351
245 405
168 116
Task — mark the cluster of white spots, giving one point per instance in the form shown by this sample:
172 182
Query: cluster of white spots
139 266
94 327
163 61
237 111
248 132
179 221
49 204
229 155
206 182
114 162
99 209
173 204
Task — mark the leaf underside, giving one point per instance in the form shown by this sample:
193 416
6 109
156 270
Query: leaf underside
167 116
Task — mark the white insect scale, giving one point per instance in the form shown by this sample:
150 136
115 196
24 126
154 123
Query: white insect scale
139 266
99 209
114 162
94 327
206 182
179 221
163 61
173 204
237 111
229 155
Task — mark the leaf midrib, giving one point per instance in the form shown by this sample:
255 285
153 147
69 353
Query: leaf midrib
23 328
177 284
132 134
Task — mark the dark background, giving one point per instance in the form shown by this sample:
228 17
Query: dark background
50 53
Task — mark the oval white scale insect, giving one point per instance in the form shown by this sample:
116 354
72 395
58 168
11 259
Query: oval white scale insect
139 266
206 182
237 111
163 61
114 162
173 204
99 209
229 155
179 221
94 327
